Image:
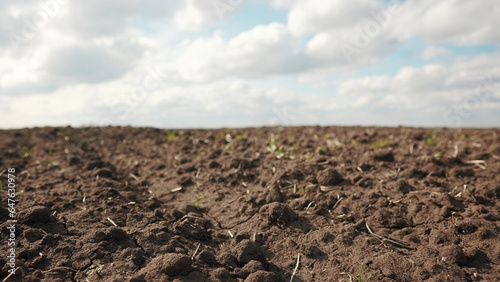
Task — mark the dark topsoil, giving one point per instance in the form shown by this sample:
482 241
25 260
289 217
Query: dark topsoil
241 204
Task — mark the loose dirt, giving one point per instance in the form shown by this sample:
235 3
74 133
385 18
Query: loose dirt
143 204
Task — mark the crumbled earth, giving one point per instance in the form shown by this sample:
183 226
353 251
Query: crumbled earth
144 204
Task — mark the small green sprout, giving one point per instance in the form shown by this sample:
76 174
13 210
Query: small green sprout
431 140
240 137
229 147
50 151
308 157
392 174
171 136
302 191
273 148
280 153
272 144
381 143
198 201
360 275
437 154
26 152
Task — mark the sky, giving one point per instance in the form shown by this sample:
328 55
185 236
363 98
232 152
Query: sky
246 63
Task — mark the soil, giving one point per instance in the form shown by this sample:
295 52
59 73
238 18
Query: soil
145 204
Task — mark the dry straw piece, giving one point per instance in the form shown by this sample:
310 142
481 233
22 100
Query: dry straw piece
385 239
296 268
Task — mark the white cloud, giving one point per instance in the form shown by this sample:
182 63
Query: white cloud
91 42
193 15
434 90
343 34
94 18
55 65
261 51
313 16
347 48
454 21
91 63
26 20
57 109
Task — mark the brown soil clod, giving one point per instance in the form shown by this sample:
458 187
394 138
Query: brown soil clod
171 264
329 176
278 213
247 251
385 157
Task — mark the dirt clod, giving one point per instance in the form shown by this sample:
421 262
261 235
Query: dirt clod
207 257
278 213
247 251
261 276
36 214
329 176
170 264
385 157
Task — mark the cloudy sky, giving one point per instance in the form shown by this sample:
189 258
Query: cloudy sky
234 63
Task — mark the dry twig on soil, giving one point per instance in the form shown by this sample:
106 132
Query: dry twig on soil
296 268
480 163
308 206
338 201
178 189
112 222
135 177
385 239
195 251
10 274
62 268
